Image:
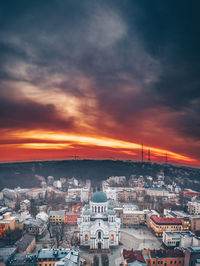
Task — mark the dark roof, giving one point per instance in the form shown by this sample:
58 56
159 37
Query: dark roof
56 254
99 197
161 220
24 242
167 253
131 256
6 253
23 259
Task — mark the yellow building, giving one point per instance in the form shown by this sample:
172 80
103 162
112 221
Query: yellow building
57 217
160 224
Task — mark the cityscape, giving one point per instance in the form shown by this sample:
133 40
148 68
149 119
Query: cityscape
99 133
121 220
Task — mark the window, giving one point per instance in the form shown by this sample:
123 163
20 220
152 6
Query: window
86 237
99 235
171 262
179 261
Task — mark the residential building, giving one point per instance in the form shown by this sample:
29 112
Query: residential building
157 192
195 223
160 224
71 218
34 227
25 205
49 257
192 256
132 216
57 217
23 260
26 244
194 207
71 259
6 253
180 239
131 257
163 257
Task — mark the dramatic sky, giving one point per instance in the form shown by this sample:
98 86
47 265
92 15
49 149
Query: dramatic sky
98 78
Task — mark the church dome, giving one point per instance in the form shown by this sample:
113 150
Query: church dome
99 197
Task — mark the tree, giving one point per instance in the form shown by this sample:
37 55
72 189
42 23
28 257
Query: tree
56 231
104 260
96 260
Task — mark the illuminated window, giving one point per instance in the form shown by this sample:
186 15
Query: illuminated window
86 237
112 237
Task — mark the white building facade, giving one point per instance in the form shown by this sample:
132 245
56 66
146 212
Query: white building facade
98 224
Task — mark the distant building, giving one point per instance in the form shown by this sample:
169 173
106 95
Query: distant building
194 207
49 257
119 180
84 195
8 222
26 244
131 257
71 259
50 180
192 256
23 260
6 253
25 205
57 217
157 192
180 239
34 227
71 218
111 194
160 224
195 223
164 257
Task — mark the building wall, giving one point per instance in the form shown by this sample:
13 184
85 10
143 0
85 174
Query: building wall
71 218
195 223
159 228
46 262
166 262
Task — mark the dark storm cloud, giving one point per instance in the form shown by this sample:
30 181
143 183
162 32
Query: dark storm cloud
31 115
139 55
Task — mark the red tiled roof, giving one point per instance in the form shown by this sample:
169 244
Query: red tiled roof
190 193
169 253
161 220
131 256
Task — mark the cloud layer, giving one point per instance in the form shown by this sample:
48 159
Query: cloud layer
123 70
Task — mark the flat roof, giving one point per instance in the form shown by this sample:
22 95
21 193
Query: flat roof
52 253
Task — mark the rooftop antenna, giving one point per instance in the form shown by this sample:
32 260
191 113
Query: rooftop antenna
76 157
166 158
149 155
142 153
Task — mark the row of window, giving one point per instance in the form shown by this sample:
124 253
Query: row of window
165 263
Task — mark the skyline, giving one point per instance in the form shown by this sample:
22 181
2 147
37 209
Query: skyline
98 80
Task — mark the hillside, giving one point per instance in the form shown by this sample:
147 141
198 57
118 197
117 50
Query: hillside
24 174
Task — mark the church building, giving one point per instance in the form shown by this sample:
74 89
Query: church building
98 224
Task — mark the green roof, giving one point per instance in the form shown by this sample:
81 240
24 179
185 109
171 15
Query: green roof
99 197
111 212
86 212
